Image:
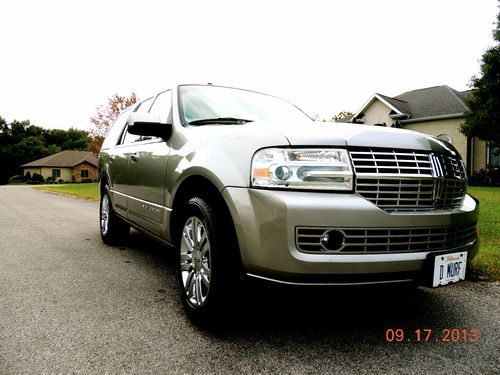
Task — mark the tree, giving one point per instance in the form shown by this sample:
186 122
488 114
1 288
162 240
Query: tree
105 116
71 139
482 120
317 118
21 142
341 115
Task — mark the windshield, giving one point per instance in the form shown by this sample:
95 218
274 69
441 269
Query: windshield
200 105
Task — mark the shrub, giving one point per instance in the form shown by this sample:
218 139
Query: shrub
37 178
86 180
60 181
51 179
486 177
27 176
16 179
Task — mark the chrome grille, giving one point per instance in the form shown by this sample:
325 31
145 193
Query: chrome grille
397 193
452 167
408 180
412 194
391 162
449 193
382 240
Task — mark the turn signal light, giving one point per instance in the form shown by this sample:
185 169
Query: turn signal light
261 172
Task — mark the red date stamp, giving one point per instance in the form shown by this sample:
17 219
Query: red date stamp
453 335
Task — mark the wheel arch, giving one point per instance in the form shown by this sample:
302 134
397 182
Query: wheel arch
201 186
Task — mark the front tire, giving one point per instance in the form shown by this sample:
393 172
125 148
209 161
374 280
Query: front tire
206 270
113 229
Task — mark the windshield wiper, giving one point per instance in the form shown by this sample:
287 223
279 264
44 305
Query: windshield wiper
220 120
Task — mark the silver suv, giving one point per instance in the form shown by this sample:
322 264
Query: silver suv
241 183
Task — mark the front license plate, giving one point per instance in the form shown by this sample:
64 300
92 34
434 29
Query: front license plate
449 268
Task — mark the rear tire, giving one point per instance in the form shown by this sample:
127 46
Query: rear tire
205 260
113 229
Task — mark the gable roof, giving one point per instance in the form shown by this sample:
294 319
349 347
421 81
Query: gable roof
388 101
400 105
64 159
423 104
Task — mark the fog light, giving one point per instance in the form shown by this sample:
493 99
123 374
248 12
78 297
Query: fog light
333 240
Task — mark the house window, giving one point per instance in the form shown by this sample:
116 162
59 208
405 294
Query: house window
56 173
84 173
494 157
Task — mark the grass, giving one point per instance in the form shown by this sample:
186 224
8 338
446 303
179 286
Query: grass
85 190
485 267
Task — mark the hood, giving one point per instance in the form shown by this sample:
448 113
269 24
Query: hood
335 134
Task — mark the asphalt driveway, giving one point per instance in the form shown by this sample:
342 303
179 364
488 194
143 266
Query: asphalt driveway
69 304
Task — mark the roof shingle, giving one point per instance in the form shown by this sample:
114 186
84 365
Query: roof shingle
434 101
423 104
64 159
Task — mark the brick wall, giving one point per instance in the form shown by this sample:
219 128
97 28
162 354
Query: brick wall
77 174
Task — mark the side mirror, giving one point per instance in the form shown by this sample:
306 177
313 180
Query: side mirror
148 124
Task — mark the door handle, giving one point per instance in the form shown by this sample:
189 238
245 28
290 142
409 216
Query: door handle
134 156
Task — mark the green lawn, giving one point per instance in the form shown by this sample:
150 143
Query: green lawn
86 191
485 267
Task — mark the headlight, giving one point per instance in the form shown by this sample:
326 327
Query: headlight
325 169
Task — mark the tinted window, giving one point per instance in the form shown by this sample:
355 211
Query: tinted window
162 105
145 105
130 138
116 130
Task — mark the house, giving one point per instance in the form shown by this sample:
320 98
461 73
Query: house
66 165
436 111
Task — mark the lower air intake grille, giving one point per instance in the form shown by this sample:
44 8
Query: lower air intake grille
383 240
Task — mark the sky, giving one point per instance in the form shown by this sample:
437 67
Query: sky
61 59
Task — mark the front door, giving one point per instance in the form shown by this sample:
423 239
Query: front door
147 165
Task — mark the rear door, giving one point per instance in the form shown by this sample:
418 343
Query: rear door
116 163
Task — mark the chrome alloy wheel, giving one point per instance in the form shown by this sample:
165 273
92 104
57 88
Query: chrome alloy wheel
195 261
105 214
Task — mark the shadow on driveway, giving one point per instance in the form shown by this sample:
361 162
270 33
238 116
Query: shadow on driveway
343 312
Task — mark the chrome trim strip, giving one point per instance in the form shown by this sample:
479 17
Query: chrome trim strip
383 176
141 200
328 284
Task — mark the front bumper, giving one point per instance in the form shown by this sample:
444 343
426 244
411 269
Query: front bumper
266 222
